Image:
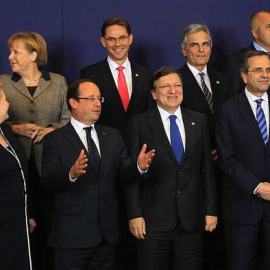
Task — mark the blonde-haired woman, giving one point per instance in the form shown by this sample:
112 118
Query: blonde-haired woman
37 101
14 237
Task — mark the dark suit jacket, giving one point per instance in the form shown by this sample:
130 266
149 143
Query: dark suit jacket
85 211
231 69
244 158
194 98
113 113
170 192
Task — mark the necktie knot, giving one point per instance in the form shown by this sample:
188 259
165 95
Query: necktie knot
172 118
88 130
202 75
120 68
259 102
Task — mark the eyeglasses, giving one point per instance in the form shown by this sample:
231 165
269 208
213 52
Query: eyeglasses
93 99
260 70
167 87
114 40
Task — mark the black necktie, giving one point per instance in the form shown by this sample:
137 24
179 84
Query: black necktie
92 150
206 91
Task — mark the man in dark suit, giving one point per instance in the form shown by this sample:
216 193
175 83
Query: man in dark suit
259 27
242 136
116 38
176 199
196 47
82 162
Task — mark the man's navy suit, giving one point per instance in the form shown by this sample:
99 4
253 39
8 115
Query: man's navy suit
86 211
194 98
245 159
231 69
113 113
170 194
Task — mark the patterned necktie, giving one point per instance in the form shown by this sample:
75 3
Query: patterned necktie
261 120
176 140
92 149
122 88
207 93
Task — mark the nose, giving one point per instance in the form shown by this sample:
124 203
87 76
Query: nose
11 55
117 42
201 48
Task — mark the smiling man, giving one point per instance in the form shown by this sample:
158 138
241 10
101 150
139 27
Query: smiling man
176 199
124 84
243 145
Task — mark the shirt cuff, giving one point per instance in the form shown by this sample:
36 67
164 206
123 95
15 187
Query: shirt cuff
255 190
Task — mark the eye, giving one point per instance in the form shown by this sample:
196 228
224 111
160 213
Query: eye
206 44
194 44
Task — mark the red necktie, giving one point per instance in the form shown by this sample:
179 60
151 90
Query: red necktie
122 87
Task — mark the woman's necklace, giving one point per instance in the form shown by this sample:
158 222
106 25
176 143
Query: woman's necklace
31 81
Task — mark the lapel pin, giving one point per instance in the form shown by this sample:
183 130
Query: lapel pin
193 123
137 75
103 133
217 82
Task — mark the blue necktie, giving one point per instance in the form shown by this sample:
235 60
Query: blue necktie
261 120
176 141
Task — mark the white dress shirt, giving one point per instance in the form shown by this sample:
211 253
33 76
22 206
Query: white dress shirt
197 76
179 121
127 72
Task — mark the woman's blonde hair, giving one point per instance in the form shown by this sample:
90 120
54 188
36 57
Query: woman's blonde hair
33 42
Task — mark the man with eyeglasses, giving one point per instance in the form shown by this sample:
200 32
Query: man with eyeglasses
124 84
260 31
82 162
175 200
204 90
242 136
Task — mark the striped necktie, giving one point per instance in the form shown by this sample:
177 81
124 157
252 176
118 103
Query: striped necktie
261 120
206 91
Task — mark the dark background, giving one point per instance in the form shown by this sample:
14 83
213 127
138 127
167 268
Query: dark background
72 29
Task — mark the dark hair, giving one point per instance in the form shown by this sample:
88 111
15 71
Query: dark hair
73 90
116 20
161 72
244 65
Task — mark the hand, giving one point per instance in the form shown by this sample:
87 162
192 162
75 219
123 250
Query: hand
210 223
39 135
214 155
27 130
32 224
263 191
79 166
145 159
137 227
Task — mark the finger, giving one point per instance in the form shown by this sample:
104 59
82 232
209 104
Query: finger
34 134
143 149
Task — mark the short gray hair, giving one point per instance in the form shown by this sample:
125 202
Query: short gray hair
192 29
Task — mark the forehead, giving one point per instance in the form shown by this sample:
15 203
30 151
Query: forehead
88 89
171 78
263 18
200 36
259 61
115 30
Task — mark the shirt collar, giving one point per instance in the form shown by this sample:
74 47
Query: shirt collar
195 71
258 47
114 65
252 97
165 115
79 126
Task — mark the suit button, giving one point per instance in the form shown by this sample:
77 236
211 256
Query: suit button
31 121
178 192
31 111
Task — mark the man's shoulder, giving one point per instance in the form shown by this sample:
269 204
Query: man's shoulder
241 52
138 67
95 66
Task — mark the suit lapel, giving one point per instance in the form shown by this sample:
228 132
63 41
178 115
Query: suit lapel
248 116
110 90
20 86
43 84
136 78
155 123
